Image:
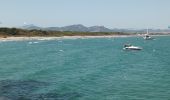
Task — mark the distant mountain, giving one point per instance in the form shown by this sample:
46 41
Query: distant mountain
77 28
99 29
82 28
51 29
30 27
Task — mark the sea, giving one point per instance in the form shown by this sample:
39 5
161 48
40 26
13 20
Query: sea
85 69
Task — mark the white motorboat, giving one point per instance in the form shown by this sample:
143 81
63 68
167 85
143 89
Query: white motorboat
131 47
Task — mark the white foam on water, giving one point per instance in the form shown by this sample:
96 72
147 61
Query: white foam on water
154 50
29 42
35 42
61 50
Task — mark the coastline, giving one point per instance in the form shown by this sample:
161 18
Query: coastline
24 38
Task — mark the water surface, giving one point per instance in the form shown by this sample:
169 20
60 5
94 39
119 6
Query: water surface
85 69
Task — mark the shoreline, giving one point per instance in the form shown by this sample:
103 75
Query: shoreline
24 38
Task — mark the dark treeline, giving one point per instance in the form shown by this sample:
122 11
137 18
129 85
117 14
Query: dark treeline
4 32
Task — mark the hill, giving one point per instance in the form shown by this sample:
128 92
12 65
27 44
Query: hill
82 28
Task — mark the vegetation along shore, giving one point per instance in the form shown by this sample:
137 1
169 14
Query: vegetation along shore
23 34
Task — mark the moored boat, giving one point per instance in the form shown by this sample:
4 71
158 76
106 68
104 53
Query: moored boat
147 37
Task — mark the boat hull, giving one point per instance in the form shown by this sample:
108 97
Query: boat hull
132 48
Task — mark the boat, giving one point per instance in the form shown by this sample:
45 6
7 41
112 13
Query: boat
131 47
147 37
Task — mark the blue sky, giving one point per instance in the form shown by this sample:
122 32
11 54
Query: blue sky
109 13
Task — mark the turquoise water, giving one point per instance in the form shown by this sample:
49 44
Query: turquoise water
85 69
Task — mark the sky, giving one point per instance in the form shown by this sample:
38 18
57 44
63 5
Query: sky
109 13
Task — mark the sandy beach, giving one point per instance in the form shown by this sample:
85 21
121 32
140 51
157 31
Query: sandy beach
67 37
55 38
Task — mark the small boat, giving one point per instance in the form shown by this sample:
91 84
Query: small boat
147 37
131 47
